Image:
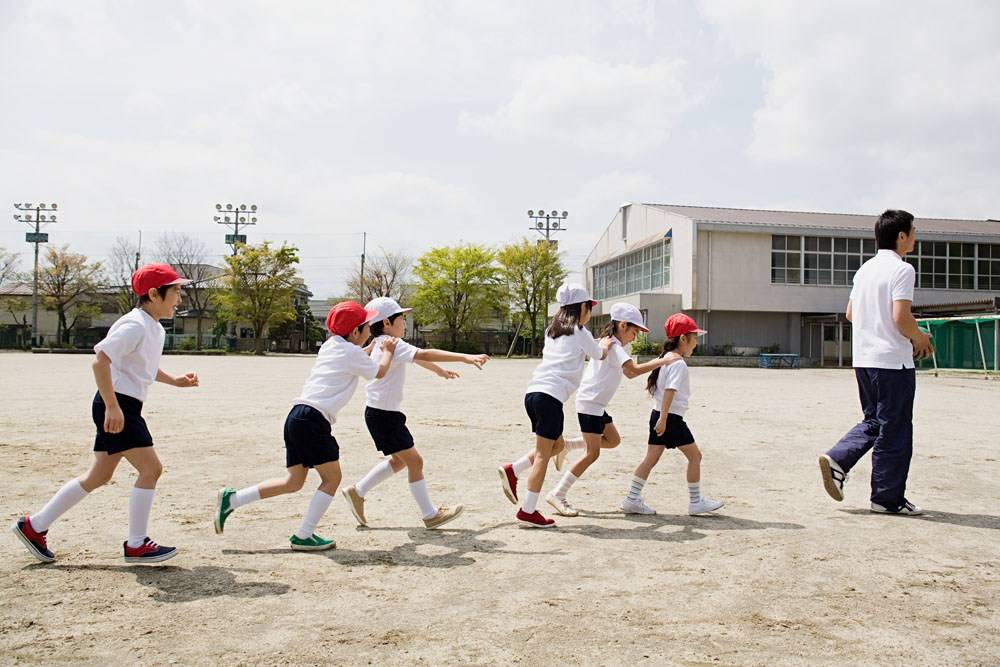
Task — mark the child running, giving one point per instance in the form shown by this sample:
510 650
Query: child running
600 382
128 361
387 424
566 342
309 441
671 391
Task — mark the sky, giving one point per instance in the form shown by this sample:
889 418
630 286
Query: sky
427 124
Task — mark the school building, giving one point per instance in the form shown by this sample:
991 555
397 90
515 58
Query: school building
776 281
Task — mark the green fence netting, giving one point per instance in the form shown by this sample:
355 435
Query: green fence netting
963 342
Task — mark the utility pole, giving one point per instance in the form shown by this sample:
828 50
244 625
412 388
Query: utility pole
37 237
235 217
364 248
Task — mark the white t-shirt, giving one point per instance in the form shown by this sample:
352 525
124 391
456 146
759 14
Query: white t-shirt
675 376
876 342
134 344
334 376
561 369
387 393
601 381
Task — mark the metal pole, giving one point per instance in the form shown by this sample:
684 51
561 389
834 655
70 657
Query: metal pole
364 249
982 351
34 291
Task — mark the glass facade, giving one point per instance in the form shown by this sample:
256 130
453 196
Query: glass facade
823 260
643 269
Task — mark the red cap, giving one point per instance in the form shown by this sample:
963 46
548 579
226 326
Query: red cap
152 276
679 324
347 316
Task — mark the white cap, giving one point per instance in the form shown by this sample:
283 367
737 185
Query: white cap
573 293
626 312
385 307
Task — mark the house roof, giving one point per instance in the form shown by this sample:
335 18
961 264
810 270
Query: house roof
819 220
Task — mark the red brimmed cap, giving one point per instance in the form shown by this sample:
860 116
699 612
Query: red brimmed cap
152 276
347 316
679 324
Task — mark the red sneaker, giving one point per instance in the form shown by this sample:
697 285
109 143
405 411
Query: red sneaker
35 541
534 520
508 482
148 552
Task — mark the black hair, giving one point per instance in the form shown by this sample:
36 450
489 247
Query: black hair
162 290
612 328
567 320
378 328
669 345
889 225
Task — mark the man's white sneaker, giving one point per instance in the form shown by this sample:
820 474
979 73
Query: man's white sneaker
908 509
561 505
704 505
639 506
834 477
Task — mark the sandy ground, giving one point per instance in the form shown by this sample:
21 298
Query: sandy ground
783 575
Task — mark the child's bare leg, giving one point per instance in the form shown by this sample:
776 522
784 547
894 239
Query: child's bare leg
610 438
101 470
418 487
693 455
413 461
291 483
330 476
653 454
594 444
147 464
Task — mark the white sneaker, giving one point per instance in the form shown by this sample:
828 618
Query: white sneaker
561 505
704 505
560 458
834 477
908 509
639 506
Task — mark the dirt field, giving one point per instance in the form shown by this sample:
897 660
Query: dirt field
782 576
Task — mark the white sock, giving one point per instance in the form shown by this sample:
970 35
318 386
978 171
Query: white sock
530 504
575 443
381 472
423 498
635 488
563 487
70 494
694 491
140 504
521 466
251 494
317 508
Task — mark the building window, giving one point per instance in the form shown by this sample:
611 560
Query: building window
644 269
989 267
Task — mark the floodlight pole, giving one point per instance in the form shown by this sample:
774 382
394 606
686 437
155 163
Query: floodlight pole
36 237
547 224
242 215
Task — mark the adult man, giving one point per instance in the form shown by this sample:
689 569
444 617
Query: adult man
885 341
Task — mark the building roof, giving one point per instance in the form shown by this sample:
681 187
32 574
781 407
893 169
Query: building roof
866 222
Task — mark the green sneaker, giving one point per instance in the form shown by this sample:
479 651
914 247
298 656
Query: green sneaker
314 543
222 508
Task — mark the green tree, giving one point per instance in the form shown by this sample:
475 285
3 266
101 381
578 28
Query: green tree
459 287
532 272
68 282
259 288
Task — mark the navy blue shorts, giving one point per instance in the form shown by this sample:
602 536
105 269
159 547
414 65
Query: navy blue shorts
676 435
135 432
388 430
593 423
545 413
309 438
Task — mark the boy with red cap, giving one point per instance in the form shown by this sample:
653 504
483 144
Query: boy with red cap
128 361
671 391
309 441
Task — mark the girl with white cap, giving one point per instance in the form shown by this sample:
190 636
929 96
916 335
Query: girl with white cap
671 392
387 424
567 342
600 382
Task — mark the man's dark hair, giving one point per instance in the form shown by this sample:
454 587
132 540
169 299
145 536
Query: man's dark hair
378 328
889 225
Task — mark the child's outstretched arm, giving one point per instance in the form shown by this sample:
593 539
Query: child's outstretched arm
388 349
186 380
477 360
437 370
634 370
661 423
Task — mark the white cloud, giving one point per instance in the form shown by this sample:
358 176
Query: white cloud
623 109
